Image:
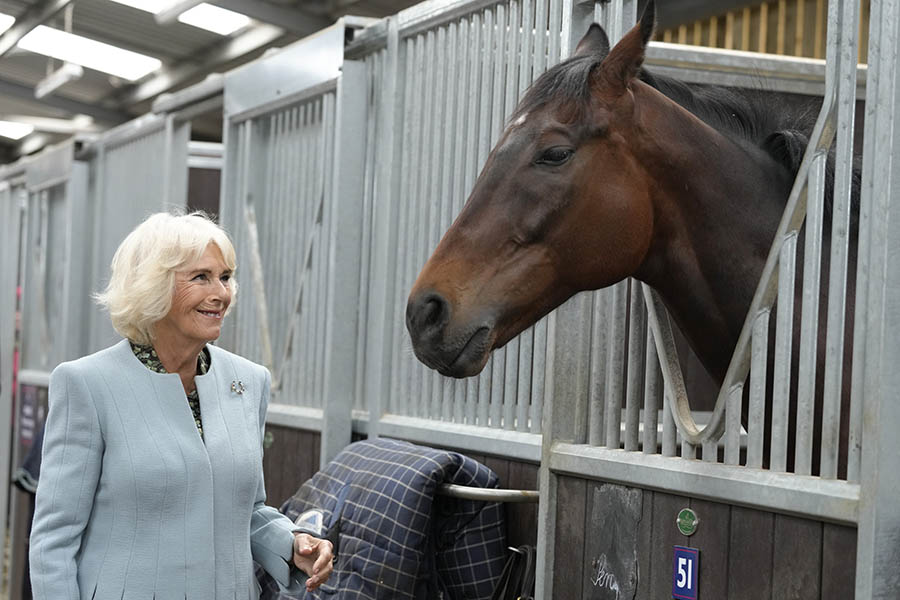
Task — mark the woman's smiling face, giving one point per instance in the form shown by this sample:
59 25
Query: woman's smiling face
202 295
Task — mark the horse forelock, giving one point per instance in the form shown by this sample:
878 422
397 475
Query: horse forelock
566 82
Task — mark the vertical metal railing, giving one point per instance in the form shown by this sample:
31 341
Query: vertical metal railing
11 209
280 165
874 443
457 78
752 354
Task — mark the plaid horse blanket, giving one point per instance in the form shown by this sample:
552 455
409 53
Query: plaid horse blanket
398 539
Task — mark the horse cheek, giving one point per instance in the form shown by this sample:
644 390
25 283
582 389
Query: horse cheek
619 240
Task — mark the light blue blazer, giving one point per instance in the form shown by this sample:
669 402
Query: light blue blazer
131 504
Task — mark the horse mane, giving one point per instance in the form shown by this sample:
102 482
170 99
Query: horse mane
743 115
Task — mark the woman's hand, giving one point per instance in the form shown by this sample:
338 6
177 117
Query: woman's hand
313 556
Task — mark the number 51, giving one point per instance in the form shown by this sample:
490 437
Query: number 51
685 577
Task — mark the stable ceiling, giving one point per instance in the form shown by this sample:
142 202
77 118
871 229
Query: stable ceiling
187 54
97 101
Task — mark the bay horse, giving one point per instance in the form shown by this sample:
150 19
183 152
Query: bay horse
604 172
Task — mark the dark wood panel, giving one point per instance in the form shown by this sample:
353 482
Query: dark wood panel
522 517
750 556
797 559
613 541
744 553
292 458
500 466
665 536
568 551
645 537
838 561
203 190
712 540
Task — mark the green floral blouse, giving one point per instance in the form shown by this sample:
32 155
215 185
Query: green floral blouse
148 356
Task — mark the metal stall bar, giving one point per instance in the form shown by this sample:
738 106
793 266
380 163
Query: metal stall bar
877 310
11 209
464 492
843 55
344 252
380 341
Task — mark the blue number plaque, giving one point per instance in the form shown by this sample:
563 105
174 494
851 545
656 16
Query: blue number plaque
685 568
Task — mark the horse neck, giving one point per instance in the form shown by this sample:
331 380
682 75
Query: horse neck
717 203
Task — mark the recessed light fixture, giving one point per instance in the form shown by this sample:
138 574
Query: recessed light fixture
89 53
205 16
13 130
150 6
215 19
6 22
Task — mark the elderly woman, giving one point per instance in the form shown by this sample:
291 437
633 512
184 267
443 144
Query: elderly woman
152 483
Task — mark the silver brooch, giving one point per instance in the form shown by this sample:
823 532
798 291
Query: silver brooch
237 387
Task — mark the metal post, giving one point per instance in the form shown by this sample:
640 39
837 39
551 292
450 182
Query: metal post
344 239
877 553
384 270
10 228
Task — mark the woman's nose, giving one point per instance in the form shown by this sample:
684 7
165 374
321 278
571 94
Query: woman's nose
222 289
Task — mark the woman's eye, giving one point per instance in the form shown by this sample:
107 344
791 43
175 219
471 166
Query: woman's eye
555 156
226 278
199 277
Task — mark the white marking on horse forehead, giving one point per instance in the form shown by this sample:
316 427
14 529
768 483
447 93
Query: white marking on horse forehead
521 120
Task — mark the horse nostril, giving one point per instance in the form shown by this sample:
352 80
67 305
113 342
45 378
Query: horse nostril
428 314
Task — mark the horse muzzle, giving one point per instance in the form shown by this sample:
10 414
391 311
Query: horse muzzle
449 348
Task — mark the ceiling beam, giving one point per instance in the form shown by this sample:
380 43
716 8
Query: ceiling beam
17 90
52 125
298 21
28 20
229 49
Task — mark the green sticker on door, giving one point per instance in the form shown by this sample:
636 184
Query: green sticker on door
687 521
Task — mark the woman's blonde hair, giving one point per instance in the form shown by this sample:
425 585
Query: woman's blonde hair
142 278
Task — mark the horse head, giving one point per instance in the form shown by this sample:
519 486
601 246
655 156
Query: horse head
562 205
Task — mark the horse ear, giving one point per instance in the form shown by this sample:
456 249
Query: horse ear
594 43
625 59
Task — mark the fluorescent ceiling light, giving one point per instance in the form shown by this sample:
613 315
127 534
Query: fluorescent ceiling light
6 22
14 131
88 53
151 6
205 16
215 19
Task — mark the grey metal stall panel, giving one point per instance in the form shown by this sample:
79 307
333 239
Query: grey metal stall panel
53 261
276 213
451 73
294 201
12 195
877 334
136 169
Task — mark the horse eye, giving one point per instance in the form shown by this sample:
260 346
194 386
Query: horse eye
555 156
